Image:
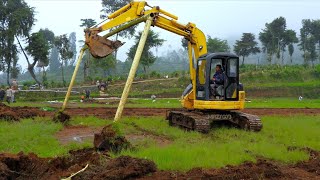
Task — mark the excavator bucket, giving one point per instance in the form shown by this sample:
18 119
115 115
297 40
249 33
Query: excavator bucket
99 46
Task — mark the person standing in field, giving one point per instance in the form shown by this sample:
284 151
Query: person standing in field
98 84
14 85
13 91
2 94
9 94
87 92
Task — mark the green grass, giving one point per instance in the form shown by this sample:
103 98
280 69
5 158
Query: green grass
184 150
35 136
158 103
225 146
281 84
282 103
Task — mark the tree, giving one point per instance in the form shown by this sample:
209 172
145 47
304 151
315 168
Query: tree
38 48
315 31
87 23
272 36
63 45
290 37
276 37
147 57
308 41
48 35
291 50
16 20
246 46
54 61
105 64
267 43
217 45
73 47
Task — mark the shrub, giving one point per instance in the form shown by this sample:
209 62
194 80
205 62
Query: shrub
155 74
28 83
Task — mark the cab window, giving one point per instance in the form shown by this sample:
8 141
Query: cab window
202 71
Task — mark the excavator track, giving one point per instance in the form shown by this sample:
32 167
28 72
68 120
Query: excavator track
248 121
202 120
188 120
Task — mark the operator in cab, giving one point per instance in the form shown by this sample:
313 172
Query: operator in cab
217 81
218 77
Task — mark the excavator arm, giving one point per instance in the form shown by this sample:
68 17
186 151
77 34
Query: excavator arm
135 13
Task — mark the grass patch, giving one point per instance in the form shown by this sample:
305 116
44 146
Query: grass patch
282 103
224 146
186 150
36 136
30 136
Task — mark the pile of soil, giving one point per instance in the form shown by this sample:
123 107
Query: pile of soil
61 117
313 165
30 166
16 113
109 140
262 169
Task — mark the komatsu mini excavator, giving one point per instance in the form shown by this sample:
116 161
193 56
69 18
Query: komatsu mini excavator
202 104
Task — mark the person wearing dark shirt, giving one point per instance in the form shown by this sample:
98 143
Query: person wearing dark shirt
87 91
2 94
217 80
218 77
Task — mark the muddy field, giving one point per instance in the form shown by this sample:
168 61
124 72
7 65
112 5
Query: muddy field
101 166
16 113
110 112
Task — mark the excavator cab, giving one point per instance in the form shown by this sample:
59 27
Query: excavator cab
214 101
226 88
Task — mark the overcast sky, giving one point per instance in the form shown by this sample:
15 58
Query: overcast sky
217 18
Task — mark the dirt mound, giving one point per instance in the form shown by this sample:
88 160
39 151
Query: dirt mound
123 167
61 117
313 164
248 170
30 166
109 140
263 169
16 113
22 166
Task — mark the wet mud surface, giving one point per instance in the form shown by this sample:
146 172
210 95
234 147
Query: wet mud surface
16 113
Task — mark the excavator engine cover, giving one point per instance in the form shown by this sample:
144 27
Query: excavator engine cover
100 47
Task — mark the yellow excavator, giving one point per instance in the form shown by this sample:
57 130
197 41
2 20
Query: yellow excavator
203 101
